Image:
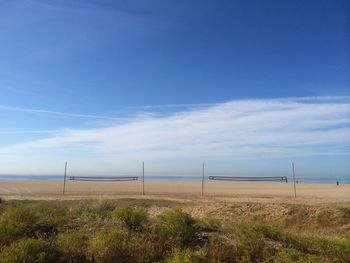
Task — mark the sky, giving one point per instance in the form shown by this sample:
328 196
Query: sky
245 86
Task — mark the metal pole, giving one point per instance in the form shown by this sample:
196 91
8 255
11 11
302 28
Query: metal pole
65 176
202 179
295 191
143 178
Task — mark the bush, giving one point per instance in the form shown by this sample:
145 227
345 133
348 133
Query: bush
133 219
88 213
298 216
345 215
251 244
336 250
106 205
183 256
28 251
323 218
72 246
218 249
290 255
178 228
109 247
52 215
17 222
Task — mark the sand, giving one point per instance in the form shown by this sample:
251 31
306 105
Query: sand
47 189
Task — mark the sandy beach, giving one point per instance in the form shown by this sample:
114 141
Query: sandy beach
47 189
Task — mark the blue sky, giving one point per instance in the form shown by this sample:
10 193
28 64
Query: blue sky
246 86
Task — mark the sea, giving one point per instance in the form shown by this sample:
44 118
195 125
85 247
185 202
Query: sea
323 180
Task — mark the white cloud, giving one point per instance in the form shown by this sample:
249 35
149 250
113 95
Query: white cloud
253 129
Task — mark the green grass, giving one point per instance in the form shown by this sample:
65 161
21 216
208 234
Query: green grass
125 231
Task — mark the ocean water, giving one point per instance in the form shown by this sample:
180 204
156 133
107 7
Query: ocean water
326 180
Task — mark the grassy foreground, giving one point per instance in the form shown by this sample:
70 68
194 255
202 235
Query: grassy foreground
166 231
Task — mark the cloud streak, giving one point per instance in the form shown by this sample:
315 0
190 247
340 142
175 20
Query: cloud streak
59 113
241 129
15 132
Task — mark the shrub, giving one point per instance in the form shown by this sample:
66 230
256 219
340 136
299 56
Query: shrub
16 222
298 216
345 215
108 247
338 250
251 244
183 256
72 246
143 250
106 205
323 218
290 255
52 215
88 213
133 219
28 251
178 228
218 249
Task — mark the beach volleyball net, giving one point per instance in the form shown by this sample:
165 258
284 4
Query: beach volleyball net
249 178
103 178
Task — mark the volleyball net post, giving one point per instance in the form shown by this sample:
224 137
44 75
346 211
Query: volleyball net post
64 178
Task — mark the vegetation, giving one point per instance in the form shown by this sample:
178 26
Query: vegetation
132 219
147 231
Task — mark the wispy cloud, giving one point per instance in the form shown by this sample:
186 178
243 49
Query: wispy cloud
14 132
164 106
59 113
265 128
